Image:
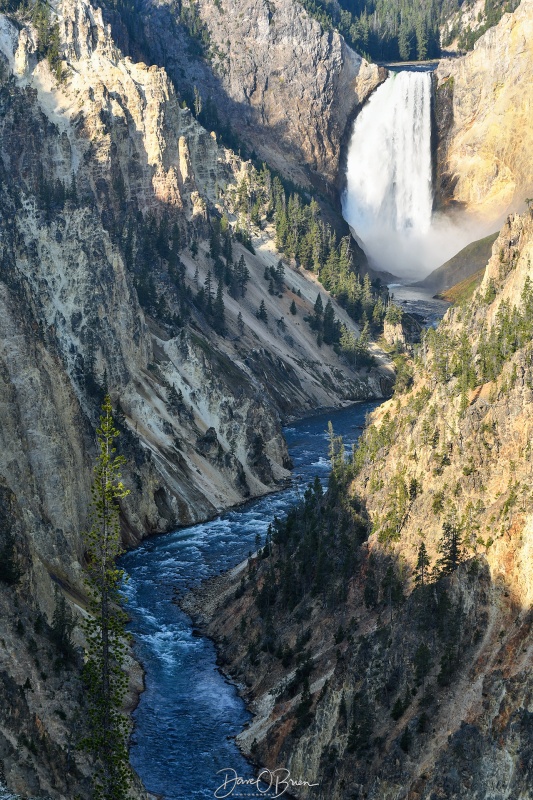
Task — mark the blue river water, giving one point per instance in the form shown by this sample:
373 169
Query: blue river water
188 716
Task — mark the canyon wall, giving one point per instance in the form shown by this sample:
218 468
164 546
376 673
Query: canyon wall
95 153
483 103
284 86
400 666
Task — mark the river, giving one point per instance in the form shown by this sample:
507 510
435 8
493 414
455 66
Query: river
188 716
419 300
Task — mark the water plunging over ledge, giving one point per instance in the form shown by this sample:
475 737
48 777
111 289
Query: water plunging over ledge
189 715
388 200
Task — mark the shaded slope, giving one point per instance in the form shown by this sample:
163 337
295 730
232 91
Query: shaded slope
373 681
463 265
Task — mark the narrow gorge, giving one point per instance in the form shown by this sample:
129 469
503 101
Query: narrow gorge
177 232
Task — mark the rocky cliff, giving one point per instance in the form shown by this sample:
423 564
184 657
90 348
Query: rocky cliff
267 71
109 189
482 111
398 662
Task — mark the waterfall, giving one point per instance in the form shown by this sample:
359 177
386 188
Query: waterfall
388 200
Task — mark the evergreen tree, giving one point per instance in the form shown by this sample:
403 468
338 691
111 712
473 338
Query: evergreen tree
359 737
175 400
280 276
421 40
240 323
208 288
293 308
451 548
73 192
214 239
262 312
219 311
227 248
330 327
404 45
242 275
104 628
348 344
422 565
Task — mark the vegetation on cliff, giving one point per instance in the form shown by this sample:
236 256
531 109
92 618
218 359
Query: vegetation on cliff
405 592
403 30
104 628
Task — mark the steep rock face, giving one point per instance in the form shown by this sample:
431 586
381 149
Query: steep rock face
483 112
82 163
379 696
286 87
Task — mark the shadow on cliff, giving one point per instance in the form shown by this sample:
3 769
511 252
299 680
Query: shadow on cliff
153 34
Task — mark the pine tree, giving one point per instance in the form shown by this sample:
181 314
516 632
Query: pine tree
359 737
208 287
335 449
242 275
240 323
219 311
262 312
104 628
404 44
451 548
214 239
421 40
175 400
348 344
280 276
330 326
293 308
422 565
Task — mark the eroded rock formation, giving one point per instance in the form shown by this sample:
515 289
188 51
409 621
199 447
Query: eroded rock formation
286 88
483 102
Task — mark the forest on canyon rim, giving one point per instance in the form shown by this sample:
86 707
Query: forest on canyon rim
177 281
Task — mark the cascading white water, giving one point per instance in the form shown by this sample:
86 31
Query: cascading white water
388 200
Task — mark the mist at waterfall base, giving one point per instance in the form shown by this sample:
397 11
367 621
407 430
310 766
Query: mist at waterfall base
389 197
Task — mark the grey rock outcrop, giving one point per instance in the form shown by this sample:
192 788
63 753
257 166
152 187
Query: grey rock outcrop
286 87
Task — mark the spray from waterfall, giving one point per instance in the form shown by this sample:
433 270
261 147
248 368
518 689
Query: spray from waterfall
388 200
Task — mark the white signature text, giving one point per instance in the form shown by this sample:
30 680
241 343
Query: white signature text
278 780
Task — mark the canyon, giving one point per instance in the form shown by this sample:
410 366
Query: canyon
111 191
373 682
84 159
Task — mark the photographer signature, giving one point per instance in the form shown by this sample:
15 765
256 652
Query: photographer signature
278 780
